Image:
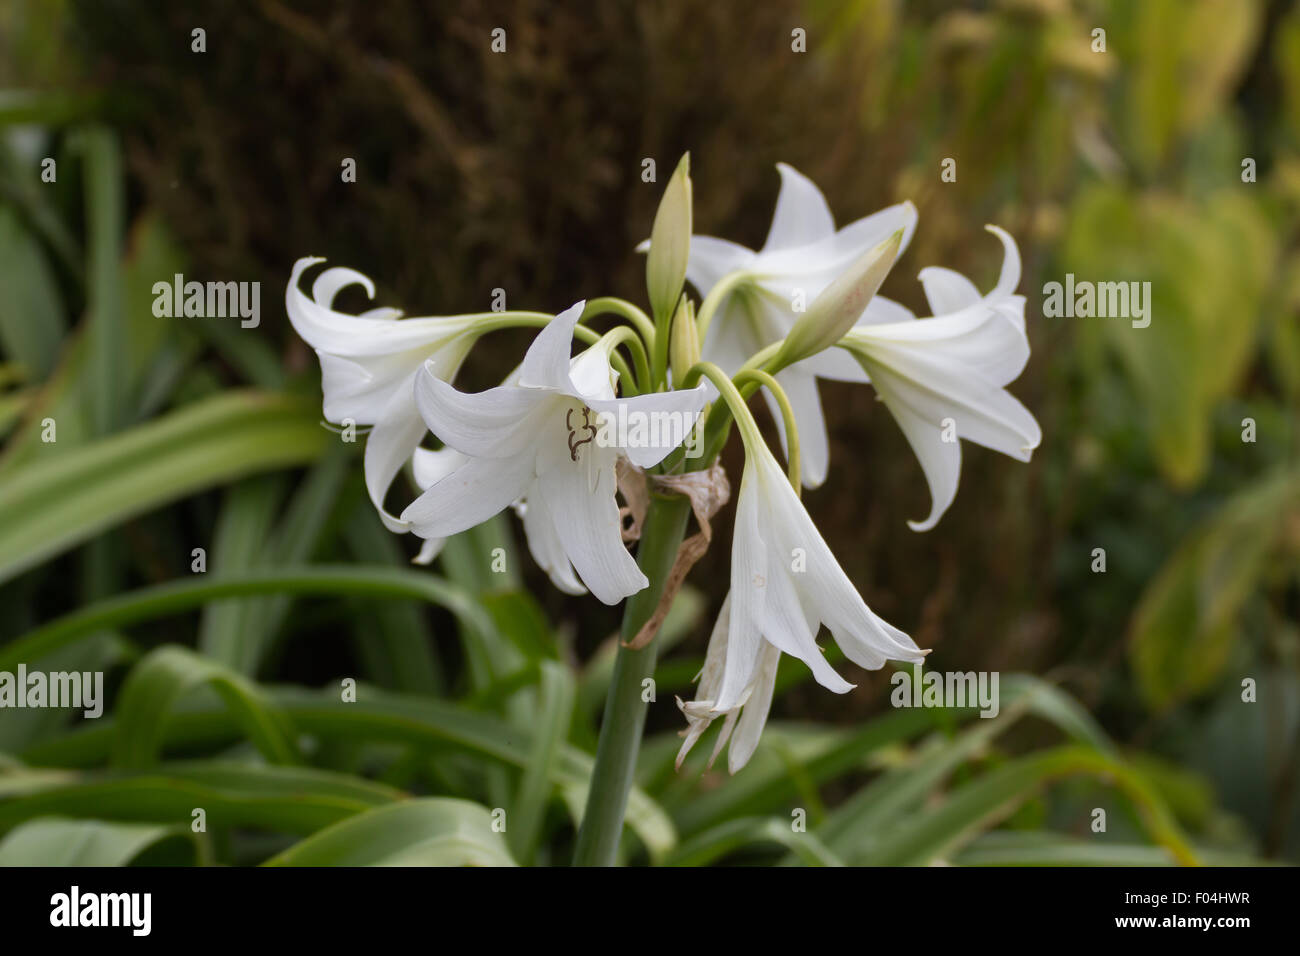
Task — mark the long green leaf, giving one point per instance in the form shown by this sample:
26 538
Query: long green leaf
32 320
924 837
716 842
555 712
282 799
168 673
57 842
430 832
105 198
393 638
375 716
164 599
55 505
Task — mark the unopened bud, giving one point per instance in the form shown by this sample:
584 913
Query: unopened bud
670 243
684 344
840 304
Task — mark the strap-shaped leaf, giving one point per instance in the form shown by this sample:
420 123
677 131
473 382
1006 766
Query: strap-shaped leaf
163 677
431 832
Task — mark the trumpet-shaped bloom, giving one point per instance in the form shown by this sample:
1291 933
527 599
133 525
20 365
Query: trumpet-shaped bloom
803 254
550 439
785 584
368 368
943 378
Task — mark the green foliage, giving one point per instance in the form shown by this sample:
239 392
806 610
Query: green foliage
477 695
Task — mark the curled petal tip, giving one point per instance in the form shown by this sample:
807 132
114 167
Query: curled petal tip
302 265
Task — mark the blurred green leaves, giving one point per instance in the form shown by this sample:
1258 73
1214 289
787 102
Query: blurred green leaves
31 306
1209 264
164 677
431 832
66 500
477 702
54 842
1192 614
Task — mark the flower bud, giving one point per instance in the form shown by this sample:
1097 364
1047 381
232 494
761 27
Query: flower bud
684 344
670 243
840 304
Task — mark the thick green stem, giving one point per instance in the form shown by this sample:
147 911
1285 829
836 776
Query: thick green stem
624 720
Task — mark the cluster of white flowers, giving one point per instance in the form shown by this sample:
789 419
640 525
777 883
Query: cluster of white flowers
802 308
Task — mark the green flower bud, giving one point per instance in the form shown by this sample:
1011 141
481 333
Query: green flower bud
840 304
670 243
684 346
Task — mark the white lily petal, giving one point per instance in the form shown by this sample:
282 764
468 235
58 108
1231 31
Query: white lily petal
669 418
358 337
826 594
352 391
880 311
753 717
497 423
802 216
748 597
429 465
985 340
805 402
544 542
820 262
470 495
728 725
591 377
715 658
731 339
695 729
834 364
937 387
330 282
711 259
947 290
586 519
546 364
1009 277
389 445
787 628
430 548
940 460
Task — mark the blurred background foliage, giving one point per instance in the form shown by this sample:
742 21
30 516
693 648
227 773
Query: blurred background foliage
521 171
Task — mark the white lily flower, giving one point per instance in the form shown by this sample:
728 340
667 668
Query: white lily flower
803 254
785 584
748 718
943 378
430 466
368 367
548 439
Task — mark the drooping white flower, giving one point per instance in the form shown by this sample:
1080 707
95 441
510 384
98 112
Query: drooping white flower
748 718
803 254
943 378
549 438
368 367
785 584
